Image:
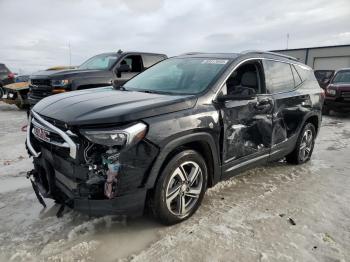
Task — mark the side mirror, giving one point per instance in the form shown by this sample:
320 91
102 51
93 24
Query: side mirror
225 98
123 68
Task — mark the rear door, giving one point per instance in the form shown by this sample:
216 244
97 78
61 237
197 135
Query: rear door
291 104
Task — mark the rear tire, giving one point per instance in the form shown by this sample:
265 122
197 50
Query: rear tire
180 188
304 147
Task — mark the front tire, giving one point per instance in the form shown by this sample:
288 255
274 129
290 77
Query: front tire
180 188
304 147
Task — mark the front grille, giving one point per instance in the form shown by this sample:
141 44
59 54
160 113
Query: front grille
49 132
345 94
41 82
40 88
59 124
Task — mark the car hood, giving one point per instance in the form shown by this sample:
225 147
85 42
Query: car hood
63 73
17 86
108 106
340 86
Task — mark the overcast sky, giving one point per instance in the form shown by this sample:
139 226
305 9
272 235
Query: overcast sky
35 34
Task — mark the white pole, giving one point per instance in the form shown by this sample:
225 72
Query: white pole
70 54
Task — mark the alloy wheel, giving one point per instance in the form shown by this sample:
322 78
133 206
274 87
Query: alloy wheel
306 145
184 188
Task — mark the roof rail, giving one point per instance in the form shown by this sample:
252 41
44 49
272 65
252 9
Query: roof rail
192 53
270 53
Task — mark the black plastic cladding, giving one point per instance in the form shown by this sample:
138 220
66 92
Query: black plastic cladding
238 134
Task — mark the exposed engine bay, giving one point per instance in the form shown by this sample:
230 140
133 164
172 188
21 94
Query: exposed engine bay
103 169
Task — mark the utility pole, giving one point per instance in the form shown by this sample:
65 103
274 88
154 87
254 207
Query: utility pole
70 54
287 40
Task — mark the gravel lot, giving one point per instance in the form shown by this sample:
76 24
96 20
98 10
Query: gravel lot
275 213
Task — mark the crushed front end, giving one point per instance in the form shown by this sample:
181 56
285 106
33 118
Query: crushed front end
95 170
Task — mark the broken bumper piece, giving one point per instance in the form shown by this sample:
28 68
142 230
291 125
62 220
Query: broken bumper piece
131 204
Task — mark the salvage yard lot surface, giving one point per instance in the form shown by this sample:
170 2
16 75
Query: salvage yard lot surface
275 213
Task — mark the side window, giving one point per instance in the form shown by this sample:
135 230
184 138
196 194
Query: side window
279 76
135 63
150 60
297 79
304 72
247 79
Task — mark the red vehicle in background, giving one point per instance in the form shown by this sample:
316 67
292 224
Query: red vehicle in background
6 77
338 92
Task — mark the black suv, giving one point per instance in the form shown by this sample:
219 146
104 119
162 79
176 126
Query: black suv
101 70
174 130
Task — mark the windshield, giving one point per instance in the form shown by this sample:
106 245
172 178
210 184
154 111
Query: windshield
342 77
103 61
178 76
23 78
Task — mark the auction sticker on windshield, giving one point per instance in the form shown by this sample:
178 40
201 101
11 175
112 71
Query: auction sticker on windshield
215 61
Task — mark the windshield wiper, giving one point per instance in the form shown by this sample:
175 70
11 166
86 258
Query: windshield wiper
153 91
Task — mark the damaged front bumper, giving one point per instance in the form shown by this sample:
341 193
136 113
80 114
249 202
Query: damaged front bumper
67 180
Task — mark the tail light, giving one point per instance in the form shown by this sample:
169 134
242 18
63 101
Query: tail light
11 76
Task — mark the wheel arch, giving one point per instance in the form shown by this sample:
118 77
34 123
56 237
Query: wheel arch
313 118
202 142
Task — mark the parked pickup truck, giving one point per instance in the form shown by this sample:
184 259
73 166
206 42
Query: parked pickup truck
16 93
105 69
338 92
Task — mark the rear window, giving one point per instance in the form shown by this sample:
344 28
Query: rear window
279 76
304 72
149 60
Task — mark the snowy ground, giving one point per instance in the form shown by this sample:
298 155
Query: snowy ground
275 213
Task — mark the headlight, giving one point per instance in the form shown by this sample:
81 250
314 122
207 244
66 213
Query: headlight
59 83
127 136
331 92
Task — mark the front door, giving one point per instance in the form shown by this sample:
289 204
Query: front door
247 124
